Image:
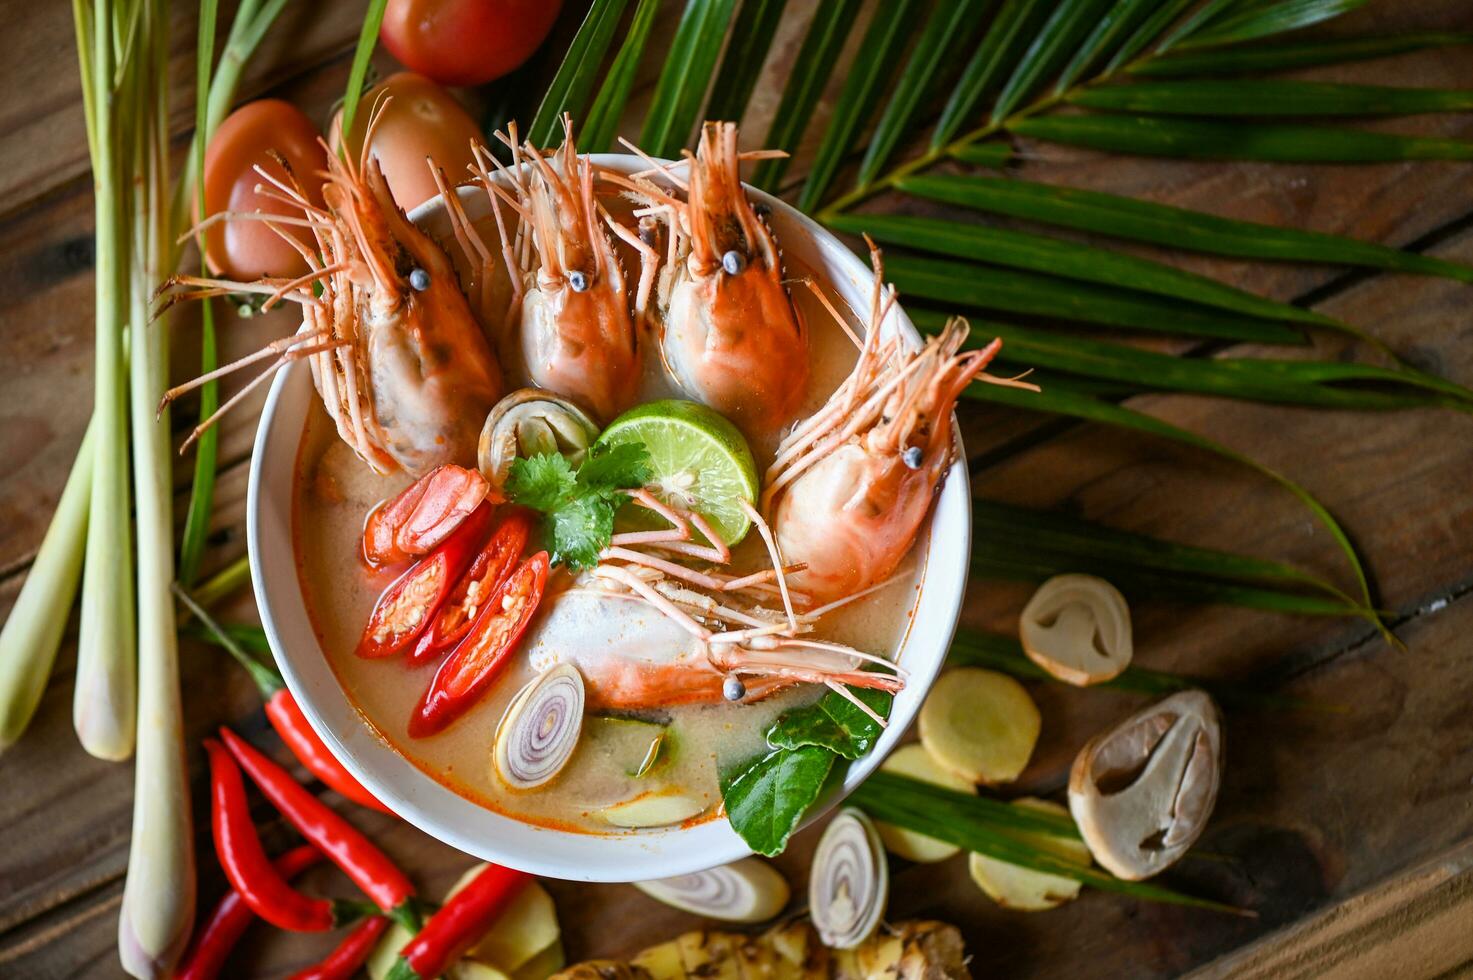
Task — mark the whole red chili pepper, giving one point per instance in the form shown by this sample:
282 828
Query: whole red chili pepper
487 648
244 861
460 923
407 607
481 580
370 869
286 716
344 962
214 940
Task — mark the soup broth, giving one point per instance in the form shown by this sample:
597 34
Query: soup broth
334 491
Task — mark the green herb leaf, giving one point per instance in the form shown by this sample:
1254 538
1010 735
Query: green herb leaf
578 529
541 482
1304 54
766 799
622 466
574 80
1194 139
1273 97
1161 224
833 723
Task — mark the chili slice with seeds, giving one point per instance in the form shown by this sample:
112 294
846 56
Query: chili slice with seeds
407 607
484 576
476 661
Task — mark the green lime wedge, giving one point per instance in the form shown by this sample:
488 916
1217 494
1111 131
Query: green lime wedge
701 463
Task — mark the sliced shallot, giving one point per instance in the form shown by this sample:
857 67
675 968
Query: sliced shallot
540 729
749 890
850 881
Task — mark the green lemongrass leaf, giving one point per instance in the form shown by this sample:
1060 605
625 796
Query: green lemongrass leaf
1060 533
1162 17
993 153
997 814
766 799
964 825
689 65
1059 37
946 28
367 40
1030 293
266 677
1250 21
571 86
601 124
1161 224
1200 140
751 38
1323 384
251 639
1304 54
879 52
1067 259
994 651
1269 98
1096 410
1111 32
224 583
810 73
1000 48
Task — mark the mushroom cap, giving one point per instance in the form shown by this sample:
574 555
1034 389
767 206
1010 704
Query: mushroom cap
1077 627
1142 791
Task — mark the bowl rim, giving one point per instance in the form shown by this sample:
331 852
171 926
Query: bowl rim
442 813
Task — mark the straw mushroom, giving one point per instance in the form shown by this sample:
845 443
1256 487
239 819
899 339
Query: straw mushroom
1077 627
1142 791
531 421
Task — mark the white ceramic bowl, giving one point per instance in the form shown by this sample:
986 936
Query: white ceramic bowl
457 821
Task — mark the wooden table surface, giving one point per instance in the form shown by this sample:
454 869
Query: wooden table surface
1350 832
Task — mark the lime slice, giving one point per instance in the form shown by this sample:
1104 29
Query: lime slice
701 463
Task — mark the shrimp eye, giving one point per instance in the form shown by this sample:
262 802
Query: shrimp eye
912 457
733 262
733 689
578 280
419 280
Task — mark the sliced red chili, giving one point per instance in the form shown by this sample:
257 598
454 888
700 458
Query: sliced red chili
406 608
368 867
287 718
484 576
476 661
244 861
344 962
216 937
459 924
422 515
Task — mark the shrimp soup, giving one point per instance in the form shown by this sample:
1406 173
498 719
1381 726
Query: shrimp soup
645 756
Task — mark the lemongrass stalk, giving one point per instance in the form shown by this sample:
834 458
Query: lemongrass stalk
232 577
104 703
159 895
32 634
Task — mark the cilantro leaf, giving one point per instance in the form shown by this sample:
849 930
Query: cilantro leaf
622 466
541 482
579 529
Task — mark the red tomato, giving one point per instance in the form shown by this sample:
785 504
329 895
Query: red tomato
247 138
420 120
466 42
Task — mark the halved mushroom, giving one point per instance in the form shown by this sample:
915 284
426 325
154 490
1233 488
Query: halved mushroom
527 422
1077 627
1142 791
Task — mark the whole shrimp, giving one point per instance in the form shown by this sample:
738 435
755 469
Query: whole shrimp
400 363
851 485
729 332
571 315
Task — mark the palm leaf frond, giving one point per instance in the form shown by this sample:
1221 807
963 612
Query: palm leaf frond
681 90
1269 98
1302 54
1249 20
575 78
601 125
751 37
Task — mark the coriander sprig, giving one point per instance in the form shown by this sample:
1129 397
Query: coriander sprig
578 506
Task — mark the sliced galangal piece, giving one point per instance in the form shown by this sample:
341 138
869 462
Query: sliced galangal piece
1077 627
1142 791
1023 889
